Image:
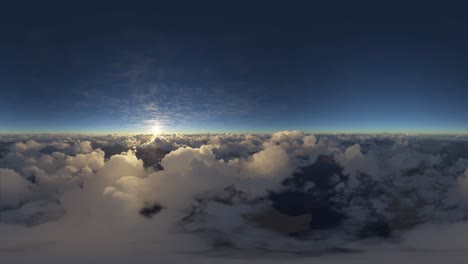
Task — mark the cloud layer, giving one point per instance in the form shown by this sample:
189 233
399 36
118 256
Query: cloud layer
288 191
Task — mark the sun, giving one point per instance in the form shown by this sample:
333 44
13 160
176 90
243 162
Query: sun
156 129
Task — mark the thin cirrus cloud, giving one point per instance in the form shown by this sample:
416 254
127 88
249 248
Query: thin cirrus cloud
174 106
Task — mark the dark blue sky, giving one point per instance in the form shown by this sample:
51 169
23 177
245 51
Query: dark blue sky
349 66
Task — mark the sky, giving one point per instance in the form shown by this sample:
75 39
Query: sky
316 66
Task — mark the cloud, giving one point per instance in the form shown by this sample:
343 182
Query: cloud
118 166
15 190
209 186
265 170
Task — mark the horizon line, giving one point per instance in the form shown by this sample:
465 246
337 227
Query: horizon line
317 132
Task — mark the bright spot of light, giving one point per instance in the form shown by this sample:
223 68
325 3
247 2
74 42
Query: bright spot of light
156 129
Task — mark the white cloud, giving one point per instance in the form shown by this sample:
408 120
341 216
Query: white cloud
265 170
220 178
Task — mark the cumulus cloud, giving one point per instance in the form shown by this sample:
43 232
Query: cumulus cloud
265 170
118 166
218 186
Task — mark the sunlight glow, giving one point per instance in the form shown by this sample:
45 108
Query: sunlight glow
156 129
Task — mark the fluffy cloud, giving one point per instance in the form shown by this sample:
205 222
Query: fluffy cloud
118 166
212 185
190 174
265 170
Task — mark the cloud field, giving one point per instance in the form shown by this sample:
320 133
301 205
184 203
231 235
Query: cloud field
233 198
